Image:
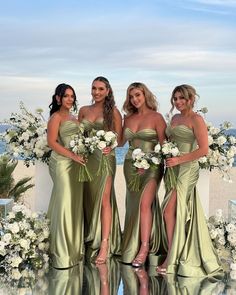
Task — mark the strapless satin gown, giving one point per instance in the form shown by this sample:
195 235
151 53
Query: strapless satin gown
66 205
93 193
145 139
192 253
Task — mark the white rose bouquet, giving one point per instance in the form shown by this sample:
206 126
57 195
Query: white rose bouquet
144 161
27 136
169 149
83 146
24 241
105 139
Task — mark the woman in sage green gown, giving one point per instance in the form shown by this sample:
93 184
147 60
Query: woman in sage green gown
144 127
66 204
102 225
185 233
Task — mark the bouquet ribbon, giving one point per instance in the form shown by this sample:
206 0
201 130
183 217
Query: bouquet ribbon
170 179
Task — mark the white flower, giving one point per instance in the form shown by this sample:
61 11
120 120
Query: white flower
155 160
109 136
7 238
157 148
221 140
233 266
233 275
100 133
102 145
14 227
16 275
15 261
24 243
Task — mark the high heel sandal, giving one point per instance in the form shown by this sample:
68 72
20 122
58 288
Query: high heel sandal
104 247
140 259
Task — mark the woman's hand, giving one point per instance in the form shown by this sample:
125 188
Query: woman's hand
141 171
77 158
107 150
171 162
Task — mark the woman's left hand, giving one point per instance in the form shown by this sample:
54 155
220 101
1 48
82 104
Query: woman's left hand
107 150
171 162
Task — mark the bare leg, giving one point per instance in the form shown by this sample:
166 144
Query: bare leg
143 281
145 222
103 274
170 219
106 218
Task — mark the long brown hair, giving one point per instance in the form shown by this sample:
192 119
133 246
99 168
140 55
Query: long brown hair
108 105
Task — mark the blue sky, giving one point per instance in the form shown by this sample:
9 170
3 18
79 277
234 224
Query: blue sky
161 43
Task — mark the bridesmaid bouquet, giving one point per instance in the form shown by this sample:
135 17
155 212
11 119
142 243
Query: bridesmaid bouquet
83 146
169 149
105 139
142 160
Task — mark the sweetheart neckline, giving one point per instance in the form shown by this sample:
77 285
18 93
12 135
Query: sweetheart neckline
140 130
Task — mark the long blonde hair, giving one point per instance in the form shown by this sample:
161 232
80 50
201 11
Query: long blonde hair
150 98
188 92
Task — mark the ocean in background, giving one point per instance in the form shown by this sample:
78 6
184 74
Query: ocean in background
120 151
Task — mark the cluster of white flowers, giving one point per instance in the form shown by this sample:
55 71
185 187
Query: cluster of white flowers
105 139
81 144
169 149
223 235
142 160
27 136
222 148
24 242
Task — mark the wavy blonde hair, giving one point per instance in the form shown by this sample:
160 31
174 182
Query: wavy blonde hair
150 98
188 92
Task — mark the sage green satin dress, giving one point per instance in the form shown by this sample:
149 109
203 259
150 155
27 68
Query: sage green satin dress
192 253
145 139
93 194
66 204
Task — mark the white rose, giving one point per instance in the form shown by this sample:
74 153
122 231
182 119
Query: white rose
100 133
221 140
233 266
41 246
175 151
145 164
15 274
115 144
7 237
13 227
203 159
102 145
210 140
232 139
15 261
157 148
109 135
155 160
24 244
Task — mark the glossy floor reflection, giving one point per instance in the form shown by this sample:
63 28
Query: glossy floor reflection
115 278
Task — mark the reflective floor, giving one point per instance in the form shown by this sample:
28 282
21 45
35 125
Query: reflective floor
115 278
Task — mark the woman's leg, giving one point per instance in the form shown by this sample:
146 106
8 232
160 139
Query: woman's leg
146 219
106 219
170 219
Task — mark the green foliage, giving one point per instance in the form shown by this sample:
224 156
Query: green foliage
8 187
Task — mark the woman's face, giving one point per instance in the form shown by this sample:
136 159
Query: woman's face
99 91
68 99
137 98
180 102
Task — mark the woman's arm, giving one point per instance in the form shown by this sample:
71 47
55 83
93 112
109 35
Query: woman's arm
117 124
201 134
52 136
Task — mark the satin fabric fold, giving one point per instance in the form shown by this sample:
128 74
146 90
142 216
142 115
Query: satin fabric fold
192 253
66 205
93 194
145 139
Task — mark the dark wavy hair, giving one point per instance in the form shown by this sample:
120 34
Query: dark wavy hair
60 92
108 105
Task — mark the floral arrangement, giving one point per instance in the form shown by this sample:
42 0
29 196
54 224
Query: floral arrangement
27 136
84 146
223 236
102 140
169 149
222 148
24 244
144 161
